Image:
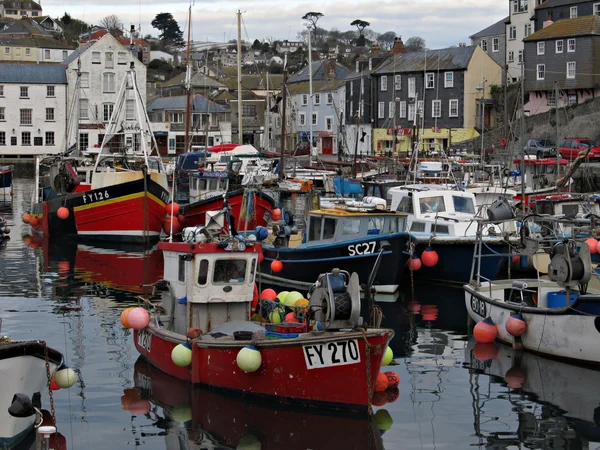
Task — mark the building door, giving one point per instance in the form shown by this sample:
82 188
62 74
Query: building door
327 144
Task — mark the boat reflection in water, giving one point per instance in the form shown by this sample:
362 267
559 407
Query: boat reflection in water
198 418
558 404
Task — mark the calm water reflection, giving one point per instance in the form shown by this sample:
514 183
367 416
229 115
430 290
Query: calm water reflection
453 394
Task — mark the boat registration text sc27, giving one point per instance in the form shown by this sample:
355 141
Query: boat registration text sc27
362 248
331 354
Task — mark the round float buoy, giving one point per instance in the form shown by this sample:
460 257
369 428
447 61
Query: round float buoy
138 318
516 259
598 247
485 351
592 244
193 333
65 377
515 377
382 382
387 357
429 257
292 298
261 233
516 325
414 263
181 355
182 413
62 213
503 142
26 218
276 214
139 407
383 420
275 316
254 303
261 257
276 266
172 209
379 398
291 318
268 294
393 393
393 378
34 221
281 296
249 442
302 303
129 395
485 331
249 359
124 316
175 224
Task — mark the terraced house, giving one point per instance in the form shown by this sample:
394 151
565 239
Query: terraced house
16 10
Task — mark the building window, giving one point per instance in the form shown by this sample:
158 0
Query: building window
7 50
38 141
2 116
46 54
49 114
412 87
109 61
527 29
304 99
362 86
551 98
130 110
541 71
573 12
329 123
361 108
49 91
26 117
24 92
302 119
495 45
436 108
26 138
108 109
84 80
1 90
484 45
384 83
571 45
571 69
108 84
411 112
27 52
392 109
512 32
2 137
317 99
248 110
449 79
430 81
541 48
351 88
453 108
49 138
398 82
597 9
402 112
558 46
520 6
352 112
122 58
84 141
96 58
83 108
572 99
420 109
511 56
65 54
329 98
381 110
176 117
314 118
520 56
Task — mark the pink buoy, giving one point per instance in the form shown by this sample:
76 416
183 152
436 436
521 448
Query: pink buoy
429 257
515 377
268 294
276 214
516 325
62 213
485 331
291 318
414 263
593 245
138 318
276 266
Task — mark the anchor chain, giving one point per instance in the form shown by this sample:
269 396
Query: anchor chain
369 386
49 383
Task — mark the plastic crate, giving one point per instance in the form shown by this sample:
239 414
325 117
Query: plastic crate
284 328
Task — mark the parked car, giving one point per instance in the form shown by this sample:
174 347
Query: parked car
541 148
570 148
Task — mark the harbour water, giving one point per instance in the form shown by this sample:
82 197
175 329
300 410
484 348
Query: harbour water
453 394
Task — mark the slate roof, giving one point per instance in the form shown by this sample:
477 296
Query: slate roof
553 3
178 103
33 42
198 79
27 26
453 58
78 51
579 26
497 29
319 72
30 73
10 4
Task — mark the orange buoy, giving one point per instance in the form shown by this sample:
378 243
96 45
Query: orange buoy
26 217
124 315
503 142
53 385
254 303
379 398
382 382
515 377
516 325
393 379
193 333
515 259
268 294
34 221
261 257
181 219
592 244
291 318
414 263
276 214
62 213
429 257
139 407
485 331
393 394
276 266
167 225
172 209
485 351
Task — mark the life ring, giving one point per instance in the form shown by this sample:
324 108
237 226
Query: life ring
503 142
255 298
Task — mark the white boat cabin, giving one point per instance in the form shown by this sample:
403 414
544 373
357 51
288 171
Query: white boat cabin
206 184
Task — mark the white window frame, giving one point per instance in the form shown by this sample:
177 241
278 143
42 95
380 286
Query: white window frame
84 80
540 72
27 52
110 110
412 112
512 33
23 92
596 9
511 56
436 105
96 57
450 103
402 113
129 109
398 82
391 109
574 73
412 87
573 12
383 82
448 83
317 99
84 108
49 142
527 29
484 45
569 42
430 80
51 91
1 90
2 114
28 135
46 54
328 123
121 58
495 45
420 107
302 119
520 56
315 118
329 98
50 115
304 99
381 110
362 86
361 107
559 46
107 86
541 48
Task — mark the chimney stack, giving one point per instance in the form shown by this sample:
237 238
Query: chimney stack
398 46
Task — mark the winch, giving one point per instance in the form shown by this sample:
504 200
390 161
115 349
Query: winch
569 267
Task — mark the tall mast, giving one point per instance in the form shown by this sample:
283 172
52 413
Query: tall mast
310 99
239 77
522 136
188 83
283 120
556 97
266 142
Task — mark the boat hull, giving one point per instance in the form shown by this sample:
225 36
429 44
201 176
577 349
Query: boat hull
124 212
195 213
6 179
302 265
285 372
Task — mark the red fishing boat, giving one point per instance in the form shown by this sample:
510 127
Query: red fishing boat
201 331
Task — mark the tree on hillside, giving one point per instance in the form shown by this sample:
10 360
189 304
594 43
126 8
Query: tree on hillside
415 44
256 45
171 36
112 24
312 18
386 40
360 26
72 28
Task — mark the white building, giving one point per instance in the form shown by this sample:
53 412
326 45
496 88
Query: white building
18 9
519 25
288 46
32 109
103 65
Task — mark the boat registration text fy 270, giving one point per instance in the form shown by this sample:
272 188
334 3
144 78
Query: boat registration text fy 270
331 354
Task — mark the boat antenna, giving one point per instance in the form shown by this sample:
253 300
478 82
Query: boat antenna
283 119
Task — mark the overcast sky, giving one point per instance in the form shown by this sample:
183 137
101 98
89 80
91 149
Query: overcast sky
441 23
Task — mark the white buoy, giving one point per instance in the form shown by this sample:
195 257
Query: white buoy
46 431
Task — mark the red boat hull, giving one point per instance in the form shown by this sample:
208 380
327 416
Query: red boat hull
284 372
195 213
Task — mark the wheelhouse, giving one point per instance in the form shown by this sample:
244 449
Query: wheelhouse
205 184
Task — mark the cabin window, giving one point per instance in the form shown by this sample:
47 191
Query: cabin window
417 227
223 184
350 226
203 272
200 184
181 271
213 184
230 271
405 205
314 229
432 204
439 229
375 225
463 205
393 224
570 210
252 270
329 228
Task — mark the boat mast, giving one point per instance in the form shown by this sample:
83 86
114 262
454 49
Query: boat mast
266 140
239 76
522 138
76 107
188 83
283 119
557 129
310 99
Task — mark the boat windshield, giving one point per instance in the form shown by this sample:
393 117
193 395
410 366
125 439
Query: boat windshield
432 204
350 226
406 205
229 271
463 204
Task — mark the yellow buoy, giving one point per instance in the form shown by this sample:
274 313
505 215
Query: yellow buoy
65 378
181 355
249 359
387 358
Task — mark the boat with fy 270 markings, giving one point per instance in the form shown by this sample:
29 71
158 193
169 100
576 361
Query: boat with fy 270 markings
200 331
